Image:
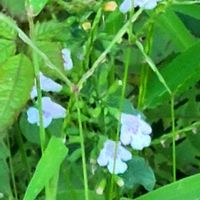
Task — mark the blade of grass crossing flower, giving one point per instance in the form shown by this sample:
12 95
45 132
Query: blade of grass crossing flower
46 168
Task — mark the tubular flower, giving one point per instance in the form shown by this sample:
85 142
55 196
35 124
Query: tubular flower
50 110
107 156
47 85
135 131
127 5
66 54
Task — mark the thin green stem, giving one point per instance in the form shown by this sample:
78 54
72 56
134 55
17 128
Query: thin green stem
11 169
20 142
39 92
118 36
152 66
127 61
145 70
173 138
90 40
84 166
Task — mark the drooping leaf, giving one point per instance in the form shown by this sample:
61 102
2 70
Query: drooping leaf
187 188
16 80
46 168
180 73
139 173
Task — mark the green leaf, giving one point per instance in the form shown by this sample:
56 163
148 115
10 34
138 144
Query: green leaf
53 50
36 6
191 10
175 28
16 80
7 49
6 31
15 8
180 73
185 189
139 173
46 168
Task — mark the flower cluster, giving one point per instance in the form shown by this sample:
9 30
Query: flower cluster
50 109
127 5
134 131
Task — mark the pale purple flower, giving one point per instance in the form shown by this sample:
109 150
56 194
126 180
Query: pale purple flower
127 5
50 110
107 156
47 85
135 131
68 63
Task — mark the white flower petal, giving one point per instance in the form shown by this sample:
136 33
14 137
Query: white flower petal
139 141
124 153
66 53
56 111
145 127
146 4
125 136
33 115
120 167
47 119
68 64
129 120
33 92
126 6
49 85
102 160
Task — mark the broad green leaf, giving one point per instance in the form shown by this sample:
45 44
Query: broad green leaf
6 31
47 30
191 10
36 6
180 73
16 80
175 28
185 189
139 173
46 168
7 49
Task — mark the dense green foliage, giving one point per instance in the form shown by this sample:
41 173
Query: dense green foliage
143 61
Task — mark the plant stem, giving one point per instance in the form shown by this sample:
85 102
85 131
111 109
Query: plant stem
39 92
11 169
84 166
145 70
173 138
127 60
118 36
